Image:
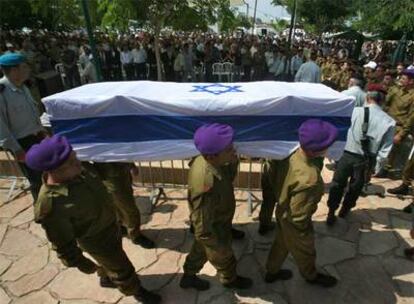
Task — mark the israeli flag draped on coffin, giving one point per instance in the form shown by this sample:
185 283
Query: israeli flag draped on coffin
144 120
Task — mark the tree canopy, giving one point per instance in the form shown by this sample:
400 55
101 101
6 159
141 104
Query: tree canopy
389 18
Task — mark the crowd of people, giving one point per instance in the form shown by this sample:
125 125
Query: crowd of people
82 207
190 57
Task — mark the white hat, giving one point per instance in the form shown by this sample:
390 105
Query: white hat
9 45
371 65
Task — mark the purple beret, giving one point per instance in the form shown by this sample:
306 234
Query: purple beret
317 135
213 138
409 73
50 154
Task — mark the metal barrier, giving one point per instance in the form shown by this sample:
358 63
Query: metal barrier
11 172
172 174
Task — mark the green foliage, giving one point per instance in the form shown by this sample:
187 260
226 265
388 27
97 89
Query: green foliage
116 14
244 21
57 14
17 14
280 25
385 17
322 15
227 20
389 18
189 20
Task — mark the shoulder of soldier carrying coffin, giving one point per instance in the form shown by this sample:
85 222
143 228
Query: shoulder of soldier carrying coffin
200 177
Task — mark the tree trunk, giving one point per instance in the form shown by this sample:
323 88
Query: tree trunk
157 31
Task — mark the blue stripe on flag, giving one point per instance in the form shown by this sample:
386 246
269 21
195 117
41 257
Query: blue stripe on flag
139 128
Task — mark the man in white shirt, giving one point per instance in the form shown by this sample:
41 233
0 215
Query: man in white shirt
353 164
309 71
139 56
355 89
127 62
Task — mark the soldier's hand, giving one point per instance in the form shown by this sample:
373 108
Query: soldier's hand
85 265
397 139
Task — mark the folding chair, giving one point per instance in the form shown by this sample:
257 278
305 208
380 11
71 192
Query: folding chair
228 71
218 70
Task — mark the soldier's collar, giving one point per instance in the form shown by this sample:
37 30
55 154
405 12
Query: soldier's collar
9 84
63 188
301 154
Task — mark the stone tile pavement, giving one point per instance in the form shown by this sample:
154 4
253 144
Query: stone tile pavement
364 252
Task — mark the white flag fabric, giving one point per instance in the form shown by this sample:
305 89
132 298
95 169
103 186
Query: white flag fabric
148 121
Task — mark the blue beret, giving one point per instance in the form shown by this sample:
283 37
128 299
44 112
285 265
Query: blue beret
316 135
11 59
49 155
213 138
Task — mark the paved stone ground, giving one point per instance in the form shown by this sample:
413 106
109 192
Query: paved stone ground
364 252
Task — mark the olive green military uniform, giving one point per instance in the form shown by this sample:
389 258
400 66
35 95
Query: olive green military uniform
344 80
118 181
274 172
326 70
399 104
212 205
300 193
408 171
79 216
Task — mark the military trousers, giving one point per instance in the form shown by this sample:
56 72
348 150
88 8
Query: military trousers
408 172
399 155
106 249
34 177
350 169
269 201
300 244
219 254
118 181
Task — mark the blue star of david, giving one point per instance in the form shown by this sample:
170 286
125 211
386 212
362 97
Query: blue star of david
217 88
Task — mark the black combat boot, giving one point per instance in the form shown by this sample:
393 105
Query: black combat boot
402 189
344 211
106 282
124 231
331 218
240 283
323 280
409 208
192 281
282 274
383 173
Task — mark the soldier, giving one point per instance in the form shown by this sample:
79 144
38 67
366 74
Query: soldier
357 161
299 193
273 174
399 104
118 181
77 214
344 76
212 205
408 171
20 125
